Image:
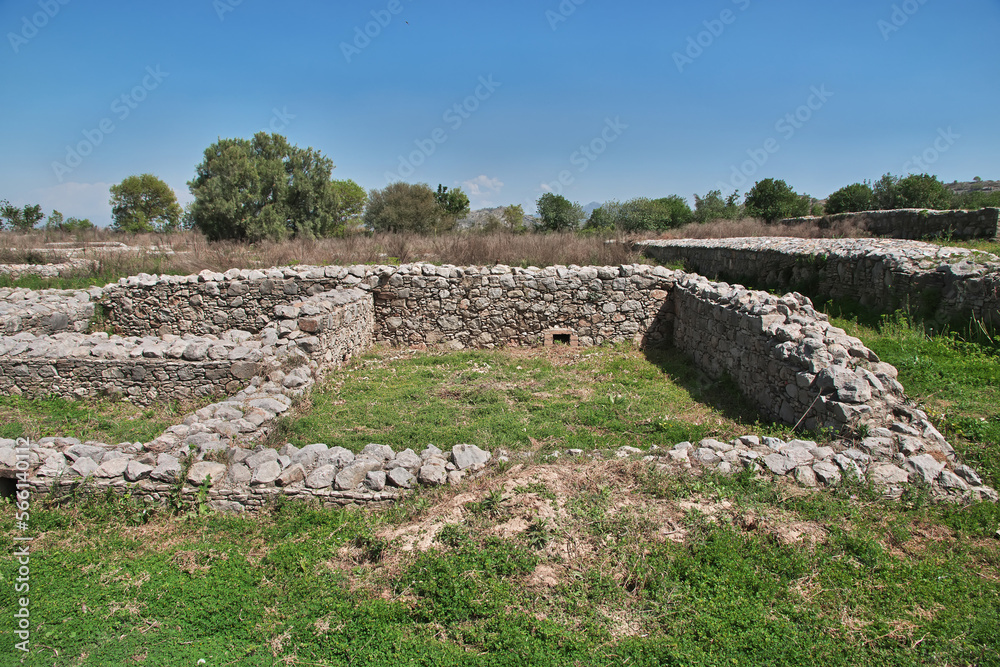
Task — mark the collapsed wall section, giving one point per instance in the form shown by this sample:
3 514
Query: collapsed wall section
938 283
915 223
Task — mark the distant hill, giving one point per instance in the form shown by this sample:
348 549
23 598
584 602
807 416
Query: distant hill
479 218
973 186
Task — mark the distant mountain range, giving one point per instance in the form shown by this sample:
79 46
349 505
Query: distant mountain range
973 186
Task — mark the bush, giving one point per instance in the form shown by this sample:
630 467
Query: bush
558 214
415 208
850 199
142 204
772 200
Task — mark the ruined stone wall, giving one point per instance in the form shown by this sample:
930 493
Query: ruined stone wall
914 223
784 356
46 311
418 304
942 284
327 329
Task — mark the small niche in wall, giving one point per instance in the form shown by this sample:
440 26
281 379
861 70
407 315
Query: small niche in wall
8 487
561 337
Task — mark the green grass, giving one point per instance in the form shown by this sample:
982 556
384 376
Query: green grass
904 584
598 398
991 246
104 421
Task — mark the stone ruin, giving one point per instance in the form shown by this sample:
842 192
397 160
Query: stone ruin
253 341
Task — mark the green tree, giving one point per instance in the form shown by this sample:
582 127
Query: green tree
885 193
144 203
924 191
454 202
558 214
21 219
851 199
56 221
773 200
406 207
266 188
77 224
713 207
513 219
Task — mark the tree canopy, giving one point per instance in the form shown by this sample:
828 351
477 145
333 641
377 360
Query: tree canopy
142 204
713 207
851 199
267 188
773 200
409 207
21 219
558 214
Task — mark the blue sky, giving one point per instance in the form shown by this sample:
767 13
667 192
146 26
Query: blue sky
587 98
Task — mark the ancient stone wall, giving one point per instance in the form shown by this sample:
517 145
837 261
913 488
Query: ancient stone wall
784 356
914 223
939 283
418 304
327 329
46 311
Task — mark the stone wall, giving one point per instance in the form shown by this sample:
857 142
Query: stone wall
939 283
784 356
327 328
418 304
46 311
914 223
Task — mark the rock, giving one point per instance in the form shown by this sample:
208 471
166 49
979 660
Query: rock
926 466
136 471
239 474
292 474
797 453
949 480
256 460
265 473
76 452
827 473
805 476
112 468
774 443
624 452
886 474
849 466
308 455
469 457
336 456
432 474
715 445
166 470
321 477
351 477
401 477
84 467
779 464
405 459
707 456
378 452
213 471
375 480
455 477
430 452
969 475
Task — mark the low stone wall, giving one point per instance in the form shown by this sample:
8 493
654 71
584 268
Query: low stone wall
418 304
150 369
16 271
784 356
939 283
915 223
46 311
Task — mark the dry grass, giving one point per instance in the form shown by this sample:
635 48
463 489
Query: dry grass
751 227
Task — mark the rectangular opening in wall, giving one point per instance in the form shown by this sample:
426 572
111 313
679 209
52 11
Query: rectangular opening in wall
562 339
8 487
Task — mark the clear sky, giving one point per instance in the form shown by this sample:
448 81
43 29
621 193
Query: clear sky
592 99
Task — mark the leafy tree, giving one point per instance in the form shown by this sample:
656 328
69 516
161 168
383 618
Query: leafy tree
406 207
924 191
773 200
77 224
976 200
851 199
266 188
886 194
56 221
454 202
144 203
558 214
713 207
641 214
513 219
21 219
